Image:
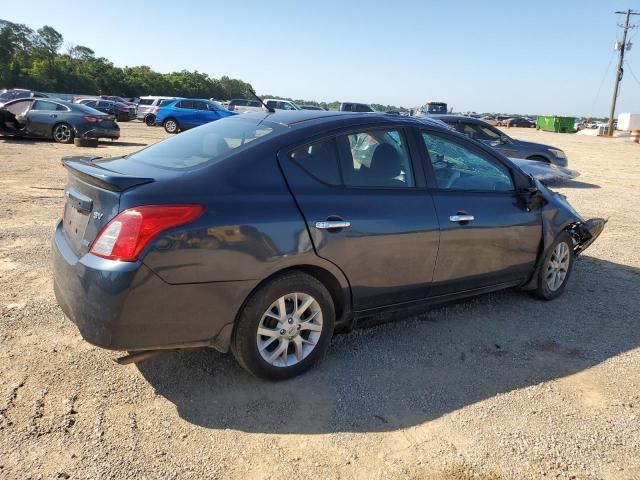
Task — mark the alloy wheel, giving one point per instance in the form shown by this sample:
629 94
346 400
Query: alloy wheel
558 266
289 330
171 126
62 133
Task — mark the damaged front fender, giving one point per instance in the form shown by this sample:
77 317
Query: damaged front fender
558 216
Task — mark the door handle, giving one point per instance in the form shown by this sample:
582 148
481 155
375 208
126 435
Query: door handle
461 218
331 224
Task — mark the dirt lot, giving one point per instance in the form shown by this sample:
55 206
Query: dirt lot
502 386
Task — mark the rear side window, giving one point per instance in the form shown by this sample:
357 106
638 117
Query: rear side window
320 159
207 144
378 158
44 105
185 104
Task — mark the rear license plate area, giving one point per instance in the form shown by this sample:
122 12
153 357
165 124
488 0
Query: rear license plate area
75 225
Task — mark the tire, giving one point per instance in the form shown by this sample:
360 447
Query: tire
171 125
150 120
86 142
63 133
546 288
294 346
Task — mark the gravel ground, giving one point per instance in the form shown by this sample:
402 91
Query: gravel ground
502 386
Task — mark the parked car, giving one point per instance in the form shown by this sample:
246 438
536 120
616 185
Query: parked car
7 95
50 118
433 108
355 107
310 107
279 104
184 113
519 122
510 147
115 98
263 233
121 111
243 105
547 173
148 106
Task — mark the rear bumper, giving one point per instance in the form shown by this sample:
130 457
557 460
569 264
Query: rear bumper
126 306
102 133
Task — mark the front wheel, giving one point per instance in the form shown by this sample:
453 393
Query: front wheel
170 126
63 133
285 327
556 268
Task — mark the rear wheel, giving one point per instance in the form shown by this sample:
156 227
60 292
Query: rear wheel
171 125
63 133
556 269
285 327
150 120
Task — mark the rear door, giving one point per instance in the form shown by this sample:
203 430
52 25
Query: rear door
488 236
43 115
368 212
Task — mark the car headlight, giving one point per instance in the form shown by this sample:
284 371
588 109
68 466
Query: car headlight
557 153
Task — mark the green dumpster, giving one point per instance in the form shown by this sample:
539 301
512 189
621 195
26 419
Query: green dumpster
552 123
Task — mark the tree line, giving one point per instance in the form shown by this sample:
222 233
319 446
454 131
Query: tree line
36 60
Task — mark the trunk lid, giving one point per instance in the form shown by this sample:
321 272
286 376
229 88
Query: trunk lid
92 199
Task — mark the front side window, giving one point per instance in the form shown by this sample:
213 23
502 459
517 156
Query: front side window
320 159
377 158
459 168
19 108
44 105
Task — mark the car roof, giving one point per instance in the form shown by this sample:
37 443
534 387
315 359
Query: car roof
302 118
448 117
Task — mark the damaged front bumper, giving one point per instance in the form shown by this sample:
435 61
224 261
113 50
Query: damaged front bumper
585 233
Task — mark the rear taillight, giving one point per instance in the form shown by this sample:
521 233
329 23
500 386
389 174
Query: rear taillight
91 119
126 235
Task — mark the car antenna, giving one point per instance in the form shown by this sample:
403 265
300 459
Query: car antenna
269 109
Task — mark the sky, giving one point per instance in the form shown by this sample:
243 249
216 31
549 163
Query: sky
538 57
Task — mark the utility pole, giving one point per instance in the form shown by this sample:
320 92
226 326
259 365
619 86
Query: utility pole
619 72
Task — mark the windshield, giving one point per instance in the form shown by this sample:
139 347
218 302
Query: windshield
207 144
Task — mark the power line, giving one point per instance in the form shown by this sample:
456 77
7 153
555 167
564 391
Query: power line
622 46
631 72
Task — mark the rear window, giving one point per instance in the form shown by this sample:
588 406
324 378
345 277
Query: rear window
145 101
207 144
161 103
239 102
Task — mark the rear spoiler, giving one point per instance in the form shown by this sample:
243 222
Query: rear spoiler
85 169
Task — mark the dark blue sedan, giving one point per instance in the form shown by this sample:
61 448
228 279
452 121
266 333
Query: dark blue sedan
184 113
264 232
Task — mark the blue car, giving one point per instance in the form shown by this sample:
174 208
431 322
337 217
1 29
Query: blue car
184 113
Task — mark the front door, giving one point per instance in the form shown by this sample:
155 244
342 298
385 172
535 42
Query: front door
488 235
368 212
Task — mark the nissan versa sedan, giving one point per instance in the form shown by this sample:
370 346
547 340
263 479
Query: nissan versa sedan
263 233
484 132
